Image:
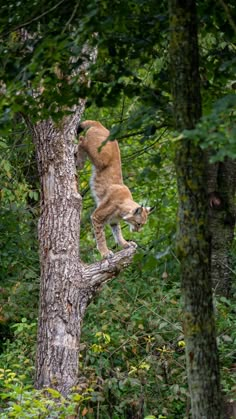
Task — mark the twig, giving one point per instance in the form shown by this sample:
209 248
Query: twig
71 17
145 149
36 18
230 19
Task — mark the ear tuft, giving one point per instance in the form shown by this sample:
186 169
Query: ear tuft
150 209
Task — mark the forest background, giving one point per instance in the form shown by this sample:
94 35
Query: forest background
132 359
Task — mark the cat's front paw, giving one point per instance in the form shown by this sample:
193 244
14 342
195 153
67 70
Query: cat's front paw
130 244
107 255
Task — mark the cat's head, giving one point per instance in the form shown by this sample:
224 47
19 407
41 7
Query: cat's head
138 217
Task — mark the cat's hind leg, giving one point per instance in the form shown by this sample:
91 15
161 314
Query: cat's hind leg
98 226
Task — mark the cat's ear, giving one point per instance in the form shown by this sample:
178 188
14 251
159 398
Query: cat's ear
150 209
138 211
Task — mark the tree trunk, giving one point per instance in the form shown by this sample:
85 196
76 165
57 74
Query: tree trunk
67 285
221 191
193 238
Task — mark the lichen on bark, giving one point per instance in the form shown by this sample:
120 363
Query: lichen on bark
193 245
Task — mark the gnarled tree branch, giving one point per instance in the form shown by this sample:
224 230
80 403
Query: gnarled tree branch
98 273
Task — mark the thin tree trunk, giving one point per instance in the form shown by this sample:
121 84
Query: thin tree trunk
193 238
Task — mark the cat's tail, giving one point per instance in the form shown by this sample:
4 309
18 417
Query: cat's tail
88 124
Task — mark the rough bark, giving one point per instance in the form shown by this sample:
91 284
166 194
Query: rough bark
221 182
193 237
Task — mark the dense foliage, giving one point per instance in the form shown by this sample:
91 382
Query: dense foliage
132 349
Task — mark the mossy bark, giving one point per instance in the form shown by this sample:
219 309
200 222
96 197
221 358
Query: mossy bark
193 245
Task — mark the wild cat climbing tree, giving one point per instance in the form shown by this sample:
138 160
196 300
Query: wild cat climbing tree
53 59
67 285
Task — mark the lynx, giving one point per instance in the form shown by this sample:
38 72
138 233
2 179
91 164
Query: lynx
114 200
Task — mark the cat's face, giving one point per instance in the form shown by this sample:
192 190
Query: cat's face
138 217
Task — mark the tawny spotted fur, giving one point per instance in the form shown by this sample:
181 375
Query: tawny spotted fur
114 200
